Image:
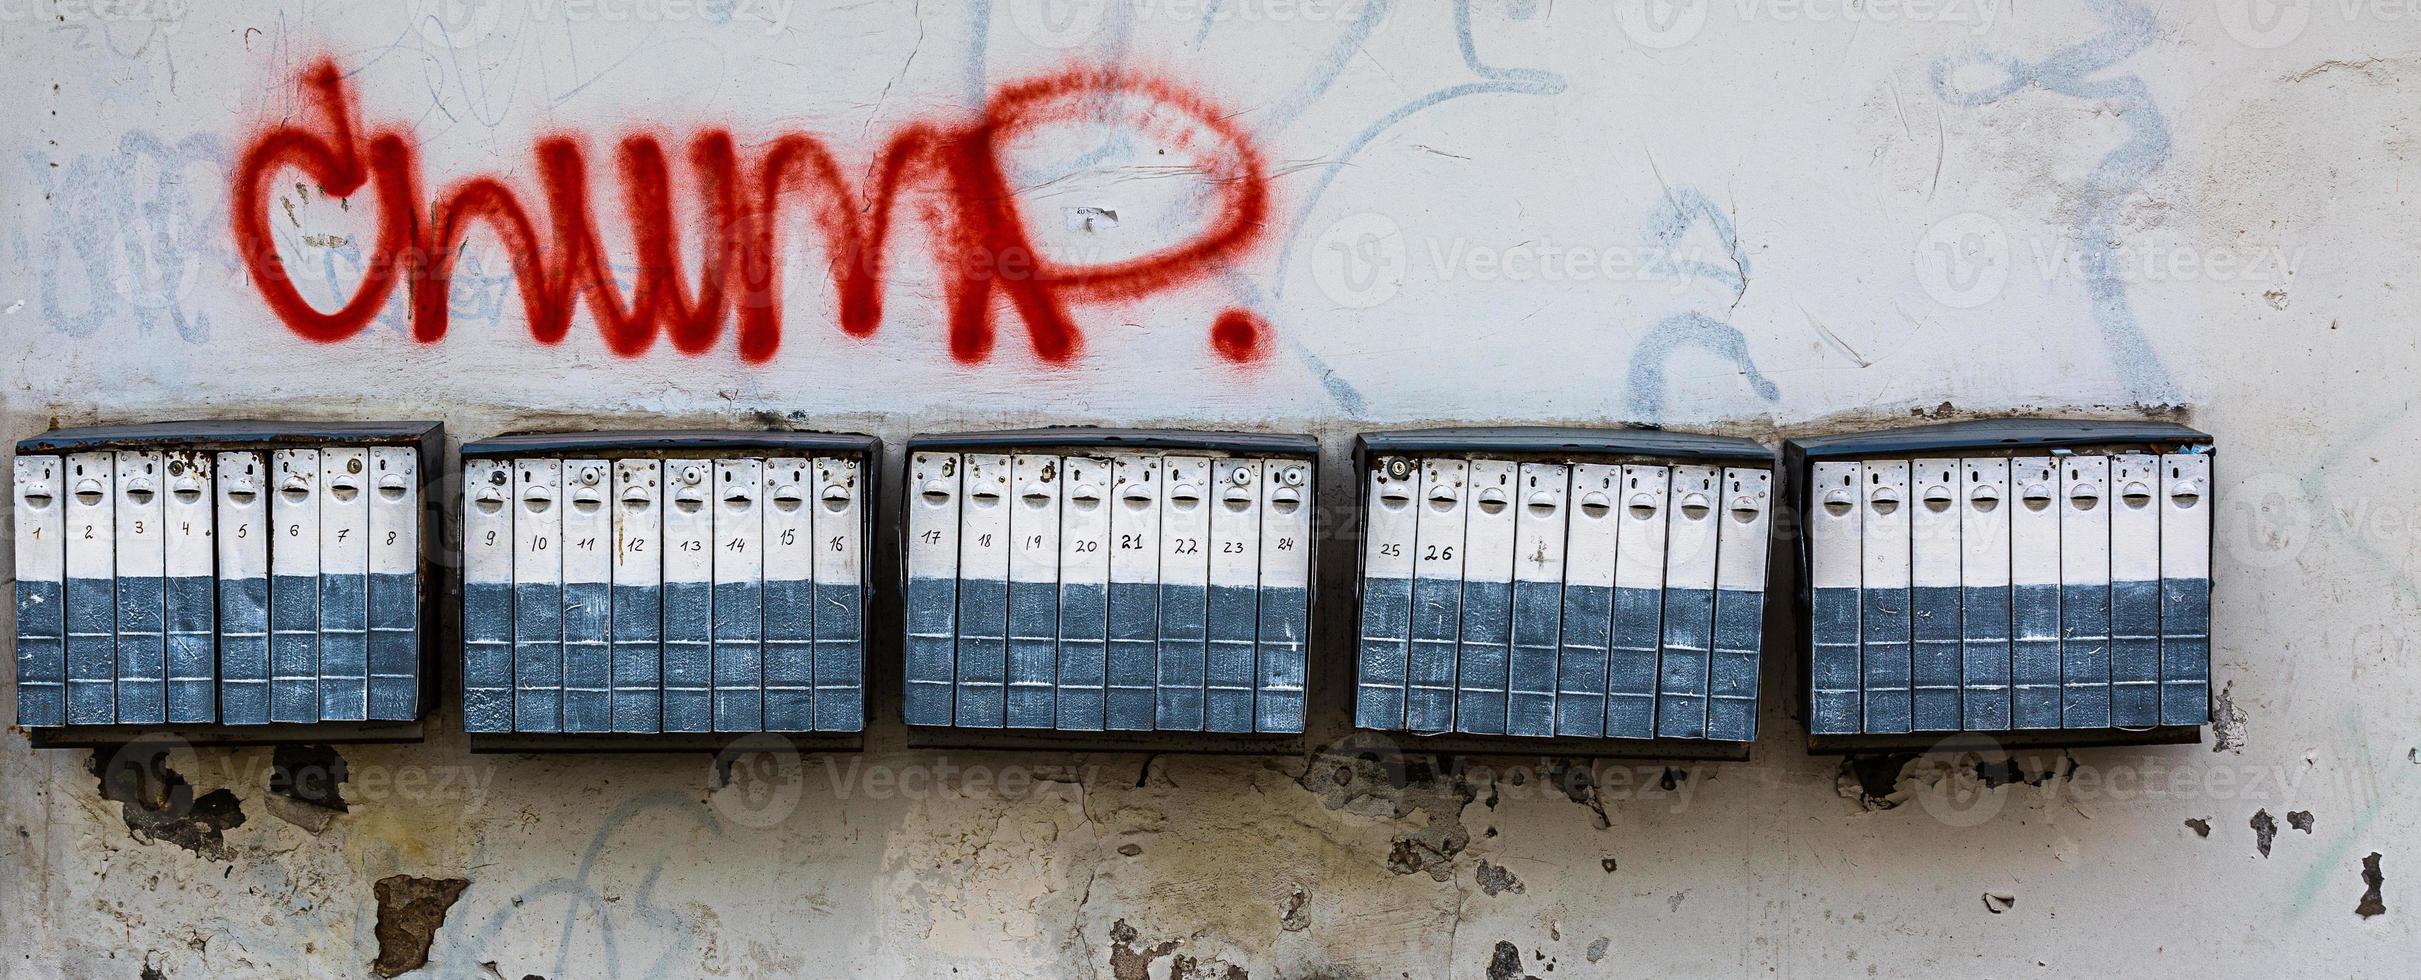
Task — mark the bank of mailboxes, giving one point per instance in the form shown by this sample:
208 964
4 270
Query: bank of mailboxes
2007 576
224 573
662 583
1109 581
2043 579
1598 584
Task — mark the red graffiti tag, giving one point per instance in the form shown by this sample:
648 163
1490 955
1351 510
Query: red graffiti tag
953 173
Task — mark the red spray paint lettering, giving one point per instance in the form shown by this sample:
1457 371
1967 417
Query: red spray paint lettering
953 173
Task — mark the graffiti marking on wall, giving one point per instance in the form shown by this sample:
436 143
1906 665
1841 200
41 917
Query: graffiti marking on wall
953 173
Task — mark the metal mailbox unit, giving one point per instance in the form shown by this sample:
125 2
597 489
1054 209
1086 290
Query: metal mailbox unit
2041 582
1590 591
226 582
1116 589
665 590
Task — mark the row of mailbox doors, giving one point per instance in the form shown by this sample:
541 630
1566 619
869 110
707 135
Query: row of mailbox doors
1099 587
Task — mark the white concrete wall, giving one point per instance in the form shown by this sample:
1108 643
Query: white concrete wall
1756 215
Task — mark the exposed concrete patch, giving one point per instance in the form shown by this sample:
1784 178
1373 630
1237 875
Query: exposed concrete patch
1873 780
1608 864
2031 771
2371 904
2300 820
1578 780
306 786
312 819
2227 722
1505 963
1597 948
1290 916
313 774
1496 880
1999 902
2200 826
2265 830
409 911
159 805
1379 782
1129 963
